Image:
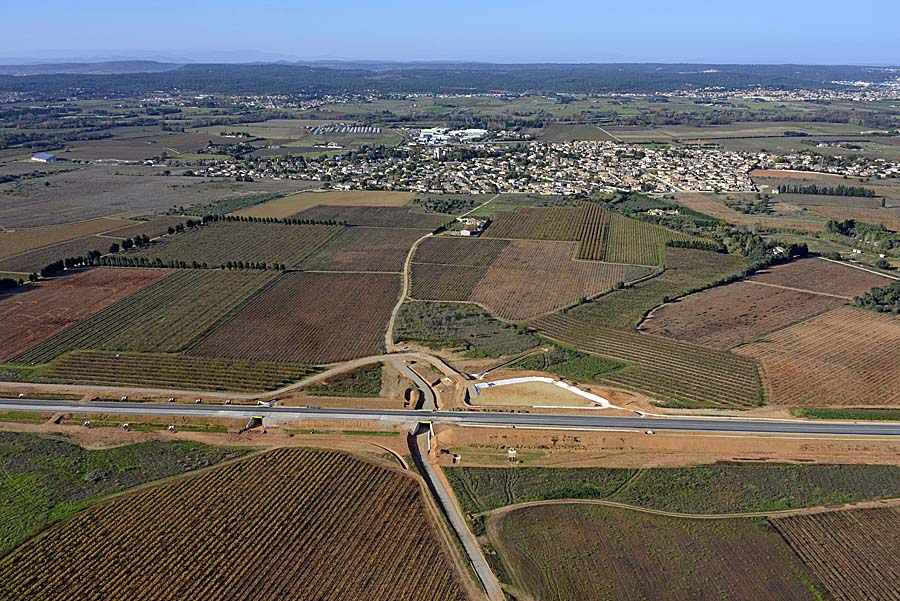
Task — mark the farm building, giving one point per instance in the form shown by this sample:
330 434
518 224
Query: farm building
44 157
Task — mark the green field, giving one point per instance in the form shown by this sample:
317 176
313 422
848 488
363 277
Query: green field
569 363
45 480
711 489
219 243
675 373
590 553
460 326
362 382
638 242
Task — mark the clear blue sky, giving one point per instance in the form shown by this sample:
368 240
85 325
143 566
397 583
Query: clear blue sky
799 31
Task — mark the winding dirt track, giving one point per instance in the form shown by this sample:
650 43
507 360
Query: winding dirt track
698 516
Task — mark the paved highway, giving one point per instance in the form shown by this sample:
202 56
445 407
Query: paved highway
471 418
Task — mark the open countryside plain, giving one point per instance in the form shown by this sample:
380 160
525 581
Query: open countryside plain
293 267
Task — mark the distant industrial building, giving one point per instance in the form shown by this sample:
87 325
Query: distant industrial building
44 157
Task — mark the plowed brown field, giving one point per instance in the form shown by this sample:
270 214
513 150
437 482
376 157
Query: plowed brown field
364 249
844 357
821 277
726 316
308 318
853 553
530 278
36 312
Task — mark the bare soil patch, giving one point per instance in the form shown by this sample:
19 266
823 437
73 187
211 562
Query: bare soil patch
289 206
36 312
821 277
726 316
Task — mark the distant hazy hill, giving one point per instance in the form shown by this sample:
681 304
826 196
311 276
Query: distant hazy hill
423 77
101 68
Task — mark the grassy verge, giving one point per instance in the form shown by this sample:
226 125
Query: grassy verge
362 382
848 414
568 363
44 480
24 417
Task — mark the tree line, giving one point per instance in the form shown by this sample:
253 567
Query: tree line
140 261
839 190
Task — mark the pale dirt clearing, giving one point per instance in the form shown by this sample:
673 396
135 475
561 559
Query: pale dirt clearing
288 206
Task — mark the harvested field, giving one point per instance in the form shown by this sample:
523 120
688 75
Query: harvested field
574 552
374 216
453 325
477 252
288 206
686 270
105 368
537 223
726 316
152 228
889 218
36 312
95 191
15 242
35 260
853 553
844 357
637 242
217 243
821 277
364 249
444 282
164 317
530 278
825 200
701 489
528 394
711 204
675 373
563 132
310 318
314 513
